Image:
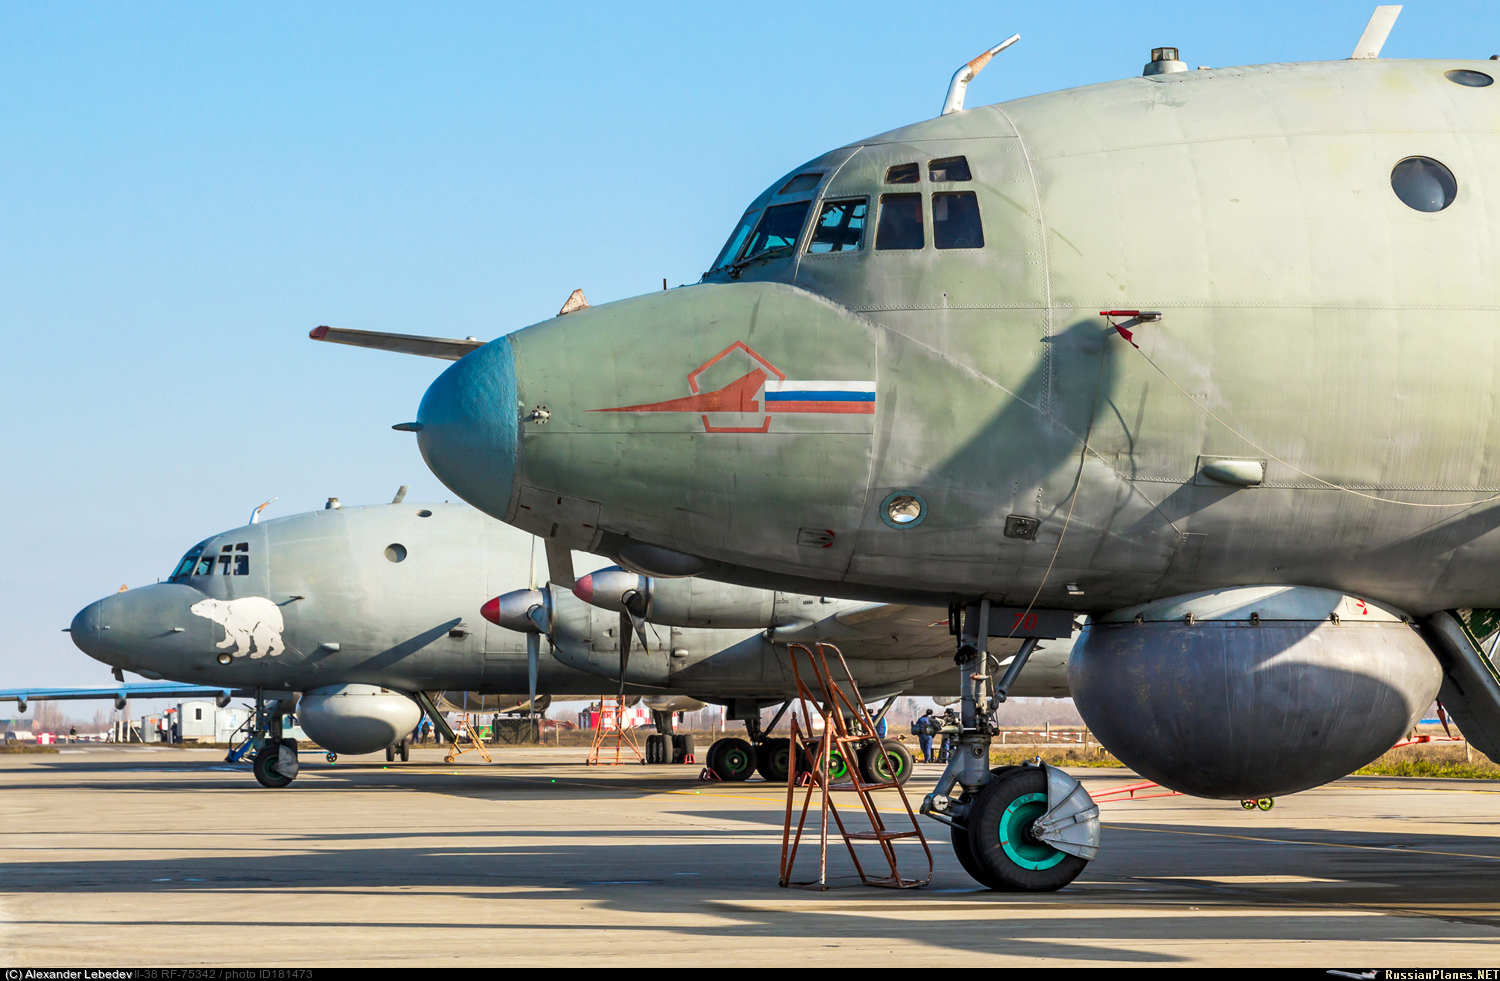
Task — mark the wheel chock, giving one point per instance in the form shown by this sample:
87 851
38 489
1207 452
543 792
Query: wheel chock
708 775
687 760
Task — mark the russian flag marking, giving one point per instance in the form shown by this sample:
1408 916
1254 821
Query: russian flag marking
846 397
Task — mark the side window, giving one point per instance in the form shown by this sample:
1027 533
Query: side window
205 566
900 222
949 169
904 174
736 240
955 221
802 182
778 230
840 227
242 559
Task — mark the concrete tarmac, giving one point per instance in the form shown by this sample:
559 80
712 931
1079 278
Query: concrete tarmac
163 857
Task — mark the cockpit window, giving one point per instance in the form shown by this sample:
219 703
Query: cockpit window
955 221
840 227
778 230
802 182
185 567
900 222
948 169
904 174
736 241
205 566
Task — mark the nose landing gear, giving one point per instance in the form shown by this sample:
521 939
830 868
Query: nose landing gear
1031 827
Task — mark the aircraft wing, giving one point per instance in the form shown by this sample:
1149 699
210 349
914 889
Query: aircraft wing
877 630
446 348
166 689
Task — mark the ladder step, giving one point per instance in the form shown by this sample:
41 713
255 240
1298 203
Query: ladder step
880 835
867 786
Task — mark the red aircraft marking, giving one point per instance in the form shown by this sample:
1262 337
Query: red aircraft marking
737 396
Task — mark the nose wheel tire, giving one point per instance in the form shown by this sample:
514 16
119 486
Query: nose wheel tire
405 751
1001 841
732 759
390 754
264 766
773 759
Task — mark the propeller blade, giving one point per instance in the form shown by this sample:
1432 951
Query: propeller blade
625 633
635 608
539 619
533 661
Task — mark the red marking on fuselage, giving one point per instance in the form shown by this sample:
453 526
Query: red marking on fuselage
843 408
737 396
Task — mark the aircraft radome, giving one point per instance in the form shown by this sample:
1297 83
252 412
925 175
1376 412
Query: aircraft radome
373 614
1208 355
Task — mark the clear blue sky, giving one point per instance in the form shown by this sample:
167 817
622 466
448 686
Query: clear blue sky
187 189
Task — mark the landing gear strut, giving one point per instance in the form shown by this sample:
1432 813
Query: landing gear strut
1030 827
275 759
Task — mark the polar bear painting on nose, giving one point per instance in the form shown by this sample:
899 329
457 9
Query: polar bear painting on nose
252 625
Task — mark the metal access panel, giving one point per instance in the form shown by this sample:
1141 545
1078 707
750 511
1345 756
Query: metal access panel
1017 621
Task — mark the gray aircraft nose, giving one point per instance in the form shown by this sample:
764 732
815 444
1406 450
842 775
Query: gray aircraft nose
85 631
469 426
148 628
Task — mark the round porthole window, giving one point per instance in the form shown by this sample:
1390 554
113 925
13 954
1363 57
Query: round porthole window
1474 80
1424 184
903 509
395 552
424 513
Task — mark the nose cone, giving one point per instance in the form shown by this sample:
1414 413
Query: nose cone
512 610
85 631
606 588
469 427
151 628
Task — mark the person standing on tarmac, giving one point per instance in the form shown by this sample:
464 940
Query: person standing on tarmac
924 729
949 728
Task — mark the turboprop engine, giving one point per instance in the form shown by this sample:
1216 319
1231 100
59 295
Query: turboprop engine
694 602
1255 691
354 719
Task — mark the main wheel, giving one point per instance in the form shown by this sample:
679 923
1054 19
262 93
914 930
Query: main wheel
1001 839
732 759
264 766
885 762
656 751
405 751
682 748
773 758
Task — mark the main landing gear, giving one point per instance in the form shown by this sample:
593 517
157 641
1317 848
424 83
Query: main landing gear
1030 828
666 746
735 759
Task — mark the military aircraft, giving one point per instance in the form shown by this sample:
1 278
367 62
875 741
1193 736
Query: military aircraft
1202 354
363 614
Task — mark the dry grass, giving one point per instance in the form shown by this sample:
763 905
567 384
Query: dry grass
1056 755
1434 760
26 748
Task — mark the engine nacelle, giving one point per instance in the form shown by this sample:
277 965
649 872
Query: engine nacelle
699 602
1256 691
356 719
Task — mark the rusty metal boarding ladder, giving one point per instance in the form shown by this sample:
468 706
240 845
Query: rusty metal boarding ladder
809 764
467 731
622 738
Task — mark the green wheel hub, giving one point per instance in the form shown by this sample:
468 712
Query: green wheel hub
1019 846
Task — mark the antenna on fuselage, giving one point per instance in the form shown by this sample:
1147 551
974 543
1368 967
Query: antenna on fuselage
400 494
961 78
1376 31
255 515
